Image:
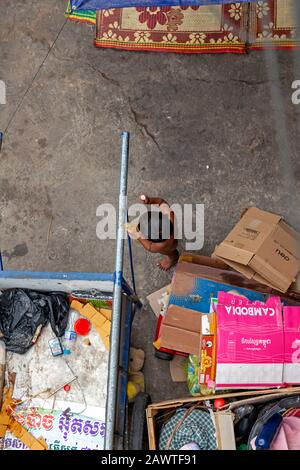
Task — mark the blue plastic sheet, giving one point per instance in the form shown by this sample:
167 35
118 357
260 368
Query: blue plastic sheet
106 4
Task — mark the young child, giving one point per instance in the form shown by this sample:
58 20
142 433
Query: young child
161 222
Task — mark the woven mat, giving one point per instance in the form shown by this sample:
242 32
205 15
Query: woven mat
273 25
217 28
234 27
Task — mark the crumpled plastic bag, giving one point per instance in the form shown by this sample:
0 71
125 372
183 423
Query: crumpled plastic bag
24 312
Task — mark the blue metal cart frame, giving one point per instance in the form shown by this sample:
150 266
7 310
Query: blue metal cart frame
125 303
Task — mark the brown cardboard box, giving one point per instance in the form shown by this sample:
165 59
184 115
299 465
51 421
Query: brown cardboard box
165 408
203 260
181 327
181 330
264 248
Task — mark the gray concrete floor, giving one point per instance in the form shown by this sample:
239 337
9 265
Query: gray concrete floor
202 131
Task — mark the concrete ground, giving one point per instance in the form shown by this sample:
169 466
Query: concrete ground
202 131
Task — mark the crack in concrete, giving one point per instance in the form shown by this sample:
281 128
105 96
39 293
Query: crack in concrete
141 125
249 82
225 82
106 77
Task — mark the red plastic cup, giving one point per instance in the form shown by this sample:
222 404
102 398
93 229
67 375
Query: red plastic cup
82 326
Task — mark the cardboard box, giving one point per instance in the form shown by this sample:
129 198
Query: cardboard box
181 330
193 286
264 248
155 413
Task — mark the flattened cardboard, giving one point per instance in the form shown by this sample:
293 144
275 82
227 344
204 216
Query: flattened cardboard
202 260
181 330
155 297
262 247
225 430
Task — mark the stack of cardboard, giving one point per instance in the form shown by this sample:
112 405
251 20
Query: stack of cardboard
193 287
264 253
263 247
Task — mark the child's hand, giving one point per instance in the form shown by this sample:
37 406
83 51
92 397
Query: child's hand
144 199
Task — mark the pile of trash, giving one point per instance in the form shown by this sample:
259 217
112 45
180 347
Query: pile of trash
44 334
232 322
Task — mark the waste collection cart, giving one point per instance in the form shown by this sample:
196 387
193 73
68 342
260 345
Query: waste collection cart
124 305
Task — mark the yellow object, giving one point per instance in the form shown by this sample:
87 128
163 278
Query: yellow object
8 422
107 313
76 305
131 228
97 319
186 257
105 339
26 437
136 380
156 344
106 327
132 391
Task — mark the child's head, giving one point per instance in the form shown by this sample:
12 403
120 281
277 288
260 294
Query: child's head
155 226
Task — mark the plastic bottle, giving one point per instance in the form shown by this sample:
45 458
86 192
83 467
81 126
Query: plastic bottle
70 336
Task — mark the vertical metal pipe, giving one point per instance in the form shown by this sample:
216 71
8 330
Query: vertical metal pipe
113 366
1 262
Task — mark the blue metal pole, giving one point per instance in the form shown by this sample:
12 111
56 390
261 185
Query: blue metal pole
131 261
113 365
1 262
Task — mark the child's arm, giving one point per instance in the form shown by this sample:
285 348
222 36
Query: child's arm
146 244
158 201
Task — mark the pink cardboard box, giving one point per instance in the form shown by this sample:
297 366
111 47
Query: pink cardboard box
291 321
250 344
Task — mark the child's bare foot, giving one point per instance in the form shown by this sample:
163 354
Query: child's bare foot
168 261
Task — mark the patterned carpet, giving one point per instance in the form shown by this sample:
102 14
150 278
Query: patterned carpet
234 27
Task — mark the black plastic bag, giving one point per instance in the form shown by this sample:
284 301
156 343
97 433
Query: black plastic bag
24 312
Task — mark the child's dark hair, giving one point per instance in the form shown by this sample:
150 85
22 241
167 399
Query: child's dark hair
155 226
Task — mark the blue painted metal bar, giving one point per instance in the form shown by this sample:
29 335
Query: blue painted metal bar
74 276
131 260
1 262
127 318
113 365
106 4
